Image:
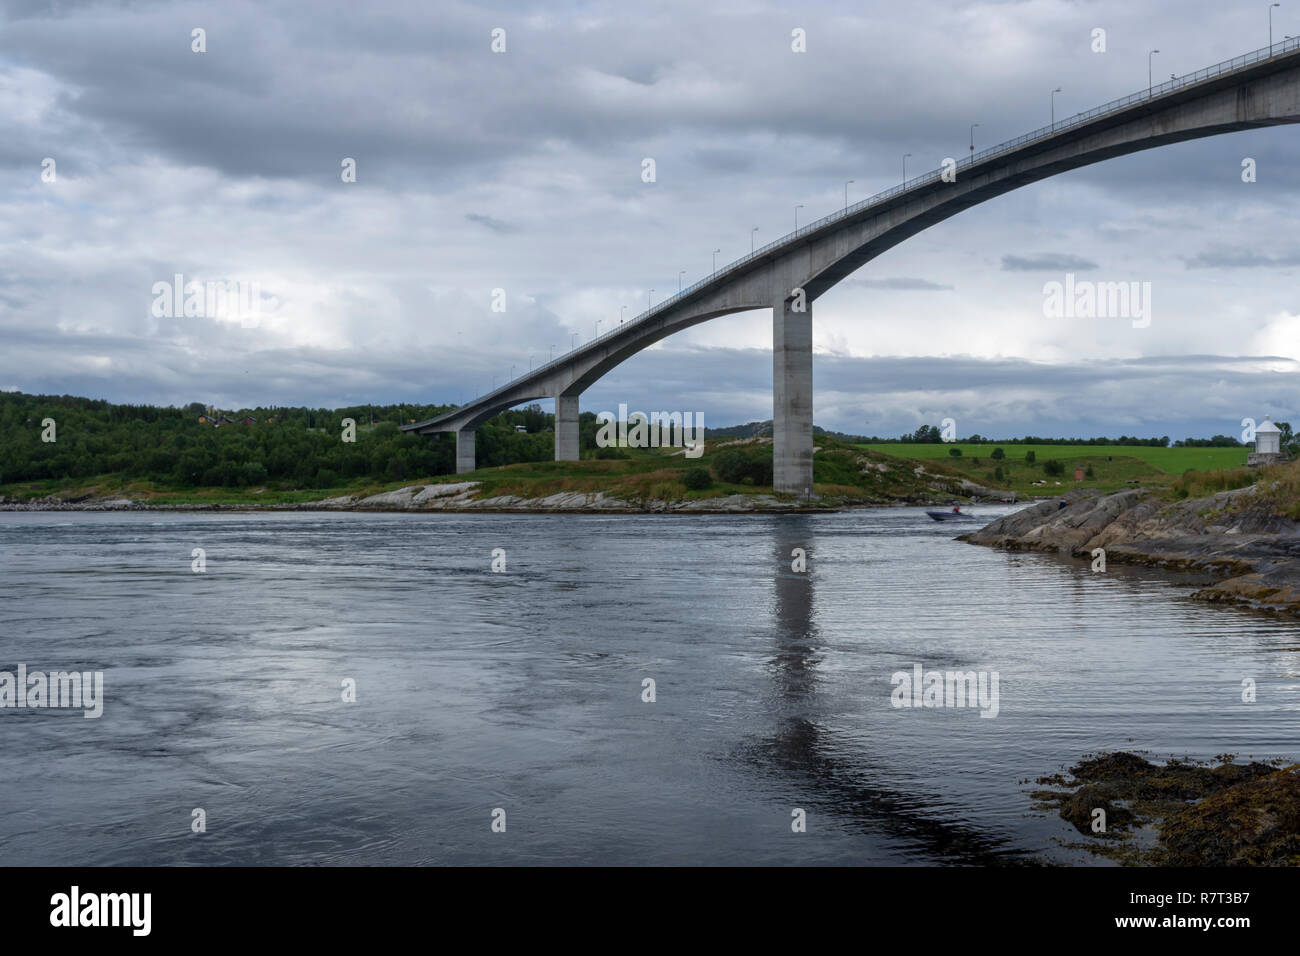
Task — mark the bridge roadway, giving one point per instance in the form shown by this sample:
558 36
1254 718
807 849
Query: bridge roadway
1258 89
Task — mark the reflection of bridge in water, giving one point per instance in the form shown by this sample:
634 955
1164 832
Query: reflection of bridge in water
803 753
1254 90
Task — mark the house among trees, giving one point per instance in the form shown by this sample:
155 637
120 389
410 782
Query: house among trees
249 420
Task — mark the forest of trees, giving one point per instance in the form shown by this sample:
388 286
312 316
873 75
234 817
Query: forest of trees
285 448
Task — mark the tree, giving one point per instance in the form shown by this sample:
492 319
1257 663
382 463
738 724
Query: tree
697 479
1029 457
954 452
998 454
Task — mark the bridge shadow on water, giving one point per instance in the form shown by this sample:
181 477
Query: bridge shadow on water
833 775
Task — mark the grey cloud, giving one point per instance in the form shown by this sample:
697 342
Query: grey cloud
496 225
901 284
1047 262
1240 259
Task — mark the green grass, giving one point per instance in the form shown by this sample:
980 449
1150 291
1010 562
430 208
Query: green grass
1171 461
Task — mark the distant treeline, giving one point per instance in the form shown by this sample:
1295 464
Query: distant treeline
927 434
930 433
281 446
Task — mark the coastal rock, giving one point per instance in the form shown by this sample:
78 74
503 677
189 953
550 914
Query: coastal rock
1254 551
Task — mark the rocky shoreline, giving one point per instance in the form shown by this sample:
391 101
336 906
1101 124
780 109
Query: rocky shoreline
1252 553
461 496
452 497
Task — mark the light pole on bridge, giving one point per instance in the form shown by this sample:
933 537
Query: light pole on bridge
796 216
598 321
905 155
573 341
1270 26
679 280
1150 86
715 261
1054 92
846 194
751 239
647 299
972 140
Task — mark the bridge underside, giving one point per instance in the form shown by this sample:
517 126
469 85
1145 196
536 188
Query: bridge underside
793 274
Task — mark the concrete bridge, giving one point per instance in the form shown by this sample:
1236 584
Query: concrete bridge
1258 89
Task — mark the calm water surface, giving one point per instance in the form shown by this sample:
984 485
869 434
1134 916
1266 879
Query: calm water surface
522 690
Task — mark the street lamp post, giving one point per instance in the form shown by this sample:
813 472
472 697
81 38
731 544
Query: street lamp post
552 358
846 194
598 321
972 139
649 293
1054 92
622 314
1270 26
715 261
751 239
680 273
905 155
796 216
1150 87
573 341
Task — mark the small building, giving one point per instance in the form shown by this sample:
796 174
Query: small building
250 420
521 428
1078 474
1268 445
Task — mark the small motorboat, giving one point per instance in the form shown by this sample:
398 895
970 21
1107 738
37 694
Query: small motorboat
953 515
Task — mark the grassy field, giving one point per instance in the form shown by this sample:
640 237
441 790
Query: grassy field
880 473
1171 461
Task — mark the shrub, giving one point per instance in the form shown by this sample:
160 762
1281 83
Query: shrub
997 472
1029 457
955 452
1088 473
610 451
697 479
731 466
998 454
1053 468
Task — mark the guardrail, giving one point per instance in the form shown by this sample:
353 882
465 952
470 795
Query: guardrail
1044 132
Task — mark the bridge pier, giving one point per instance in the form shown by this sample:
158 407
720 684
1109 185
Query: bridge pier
465 451
566 428
792 421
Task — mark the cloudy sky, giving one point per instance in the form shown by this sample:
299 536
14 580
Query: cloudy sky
521 171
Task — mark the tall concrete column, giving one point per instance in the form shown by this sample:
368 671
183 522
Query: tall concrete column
465 451
792 422
566 428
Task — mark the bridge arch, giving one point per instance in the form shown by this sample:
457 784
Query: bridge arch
1255 90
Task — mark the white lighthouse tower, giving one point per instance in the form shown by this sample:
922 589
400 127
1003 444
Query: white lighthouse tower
1268 445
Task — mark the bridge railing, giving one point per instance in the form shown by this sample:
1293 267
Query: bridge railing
1282 47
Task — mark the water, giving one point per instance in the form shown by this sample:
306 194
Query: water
522 690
